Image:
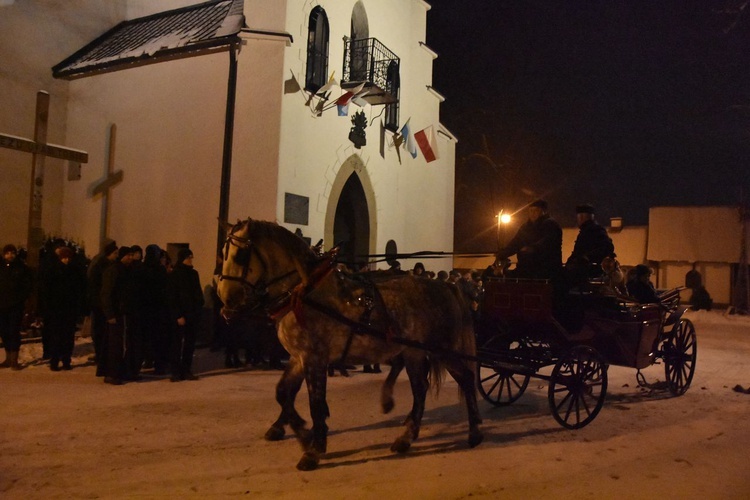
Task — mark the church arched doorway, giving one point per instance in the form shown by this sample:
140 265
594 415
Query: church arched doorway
351 213
351 225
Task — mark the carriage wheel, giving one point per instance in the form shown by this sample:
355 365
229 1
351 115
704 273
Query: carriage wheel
577 387
499 386
680 351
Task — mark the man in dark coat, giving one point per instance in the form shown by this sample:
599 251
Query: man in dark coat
538 245
185 302
119 300
62 294
592 246
94 275
640 287
152 311
16 286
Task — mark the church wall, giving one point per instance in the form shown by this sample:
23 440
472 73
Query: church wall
169 146
35 35
414 200
265 15
257 129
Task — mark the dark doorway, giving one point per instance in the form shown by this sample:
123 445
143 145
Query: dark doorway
351 227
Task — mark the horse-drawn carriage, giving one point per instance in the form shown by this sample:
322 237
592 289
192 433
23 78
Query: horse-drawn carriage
424 327
529 327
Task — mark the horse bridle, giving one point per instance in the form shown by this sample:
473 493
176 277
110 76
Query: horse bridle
260 287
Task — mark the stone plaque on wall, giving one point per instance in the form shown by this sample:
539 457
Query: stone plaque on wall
296 209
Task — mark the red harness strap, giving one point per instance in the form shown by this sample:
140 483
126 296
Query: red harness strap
294 301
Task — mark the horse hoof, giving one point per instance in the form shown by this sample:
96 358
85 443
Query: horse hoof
387 405
401 445
309 461
275 433
475 439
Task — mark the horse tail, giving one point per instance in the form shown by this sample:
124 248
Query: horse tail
466 339
463 341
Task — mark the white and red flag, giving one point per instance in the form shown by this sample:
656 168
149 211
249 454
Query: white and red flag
427 142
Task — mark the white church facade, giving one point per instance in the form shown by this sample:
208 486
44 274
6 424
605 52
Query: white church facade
230 109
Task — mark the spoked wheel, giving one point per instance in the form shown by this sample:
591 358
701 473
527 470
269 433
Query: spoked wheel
680 352
577 387
499 386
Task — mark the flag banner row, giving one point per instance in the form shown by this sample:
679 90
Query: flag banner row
424 140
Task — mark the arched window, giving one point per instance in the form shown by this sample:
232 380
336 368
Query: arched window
317 50
360 32
393 84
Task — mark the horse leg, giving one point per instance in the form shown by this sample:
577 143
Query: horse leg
417 370
286 392
316 378
465 377
386 393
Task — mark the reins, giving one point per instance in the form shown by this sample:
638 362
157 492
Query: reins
294 298
259 287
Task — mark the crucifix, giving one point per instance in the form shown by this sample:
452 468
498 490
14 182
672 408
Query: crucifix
39 149
103 187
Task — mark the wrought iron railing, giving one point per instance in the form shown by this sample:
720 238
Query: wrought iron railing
368 60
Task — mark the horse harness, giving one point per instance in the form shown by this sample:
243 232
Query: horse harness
294 298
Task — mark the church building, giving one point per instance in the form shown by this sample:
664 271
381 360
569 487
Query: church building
319 115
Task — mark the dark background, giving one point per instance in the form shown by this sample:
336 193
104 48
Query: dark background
622 104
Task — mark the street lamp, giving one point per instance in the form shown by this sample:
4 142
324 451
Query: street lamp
503 219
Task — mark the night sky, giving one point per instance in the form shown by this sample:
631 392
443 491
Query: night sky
623 104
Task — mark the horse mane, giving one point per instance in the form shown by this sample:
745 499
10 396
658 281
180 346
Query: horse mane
297 247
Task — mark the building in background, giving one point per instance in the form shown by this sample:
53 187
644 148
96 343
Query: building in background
676 240
291 111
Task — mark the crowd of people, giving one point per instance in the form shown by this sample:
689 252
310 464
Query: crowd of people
145 312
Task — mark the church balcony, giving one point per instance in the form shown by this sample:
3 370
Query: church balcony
367 61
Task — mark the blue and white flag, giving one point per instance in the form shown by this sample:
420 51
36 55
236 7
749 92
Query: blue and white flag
408 137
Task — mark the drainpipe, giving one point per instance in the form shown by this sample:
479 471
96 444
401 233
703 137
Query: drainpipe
226 162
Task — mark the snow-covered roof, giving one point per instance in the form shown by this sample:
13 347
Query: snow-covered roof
164 35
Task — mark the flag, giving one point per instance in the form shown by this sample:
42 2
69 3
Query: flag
292 85
325 88
343 109
382 140
408 139
358 98
347 96
427 143
319 107
398 140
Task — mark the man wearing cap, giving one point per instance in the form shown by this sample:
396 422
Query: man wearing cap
185 302
537 244
592 246
15 288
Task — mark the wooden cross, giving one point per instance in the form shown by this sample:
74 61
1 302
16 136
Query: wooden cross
103 187
39 149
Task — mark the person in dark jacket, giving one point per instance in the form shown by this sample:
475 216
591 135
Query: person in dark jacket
185 302
119 297
62 291
537 245
640 287
592 246
16 285
94 274
152 310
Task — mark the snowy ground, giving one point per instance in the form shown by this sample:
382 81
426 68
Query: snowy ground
68 435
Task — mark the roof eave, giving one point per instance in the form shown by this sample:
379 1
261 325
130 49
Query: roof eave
191 50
